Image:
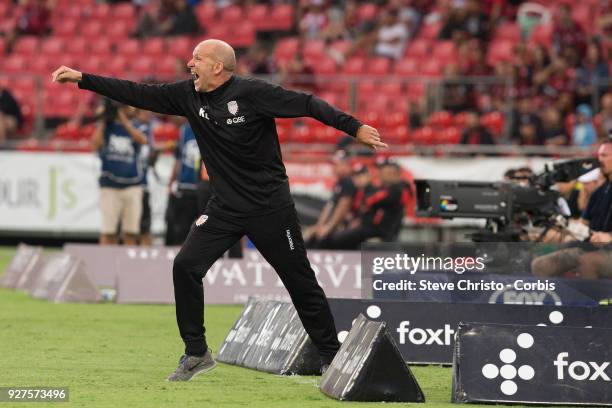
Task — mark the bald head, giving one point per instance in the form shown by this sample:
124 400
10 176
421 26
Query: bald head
213 64
220 51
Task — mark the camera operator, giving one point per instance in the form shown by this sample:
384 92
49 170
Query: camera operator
382 210
594 258
118 142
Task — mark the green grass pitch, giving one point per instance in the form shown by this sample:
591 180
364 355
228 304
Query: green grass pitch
119 356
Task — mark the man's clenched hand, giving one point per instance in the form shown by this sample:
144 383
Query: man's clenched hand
65 74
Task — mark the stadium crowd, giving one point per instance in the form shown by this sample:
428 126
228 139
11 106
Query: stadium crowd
442 72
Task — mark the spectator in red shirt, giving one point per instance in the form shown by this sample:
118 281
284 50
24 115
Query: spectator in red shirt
35 18
568 34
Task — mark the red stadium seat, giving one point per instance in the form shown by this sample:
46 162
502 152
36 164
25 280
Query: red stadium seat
67 131
100 11
42 65
59 101
324 66
500 51
206 12
100 46
341 46
242 36
281 17
24 95
77 46
166 67
354 66
508 32
218 31
372 118
377 103
284 123
118 30
285 49
394 119
430 30
93 64
582 14
4 9
460 119
141 67
258 15
432 67
117 66
391 88
301 134
314 49
27 45
22 83
283 134
415 91
367 12
180 47
124 11
406 67
128 48
66 29
424 136
367 86
396 135
232 15
14 64
418 48
153 47
441 119
451 135
326 134
378 66
69 11
52 46
494 121
445 51
329 97
92 30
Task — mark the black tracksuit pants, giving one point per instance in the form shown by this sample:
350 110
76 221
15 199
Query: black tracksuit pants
278 238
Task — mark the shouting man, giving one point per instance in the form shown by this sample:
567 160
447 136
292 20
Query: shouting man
233 120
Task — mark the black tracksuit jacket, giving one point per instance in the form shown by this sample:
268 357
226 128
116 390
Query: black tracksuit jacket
235 130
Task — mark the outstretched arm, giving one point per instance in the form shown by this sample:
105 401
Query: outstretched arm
165 98
277 102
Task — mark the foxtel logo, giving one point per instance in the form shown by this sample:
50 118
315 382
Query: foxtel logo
420 336
581 370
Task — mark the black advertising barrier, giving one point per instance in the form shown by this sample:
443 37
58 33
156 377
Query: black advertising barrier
237 336
268 336
424 332
26 259
369 367
531 364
